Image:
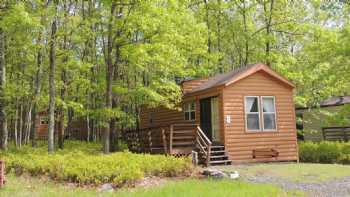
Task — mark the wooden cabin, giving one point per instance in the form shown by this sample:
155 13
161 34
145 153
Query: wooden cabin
320 122
246 115
77 130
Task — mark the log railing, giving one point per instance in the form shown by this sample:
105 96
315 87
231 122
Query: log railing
204 144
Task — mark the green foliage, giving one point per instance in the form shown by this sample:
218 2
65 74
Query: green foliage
308 152
82 163
324 152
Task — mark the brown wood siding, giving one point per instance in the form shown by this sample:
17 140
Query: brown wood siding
239 142
162 116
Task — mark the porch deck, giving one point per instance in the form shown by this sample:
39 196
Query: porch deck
177 140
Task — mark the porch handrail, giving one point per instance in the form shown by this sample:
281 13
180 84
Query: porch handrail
203 143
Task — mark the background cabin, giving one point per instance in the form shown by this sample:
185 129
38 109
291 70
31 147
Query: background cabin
76 130
246 115
329 121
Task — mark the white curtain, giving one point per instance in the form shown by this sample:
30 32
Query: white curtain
268 105
250 101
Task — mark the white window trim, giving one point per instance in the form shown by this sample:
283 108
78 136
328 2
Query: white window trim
263 113
246 113
187 109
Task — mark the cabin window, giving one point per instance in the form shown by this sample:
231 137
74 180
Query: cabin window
269 112
260 112
190 111
44 120
252 111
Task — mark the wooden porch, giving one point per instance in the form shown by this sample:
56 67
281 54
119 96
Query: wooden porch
177 140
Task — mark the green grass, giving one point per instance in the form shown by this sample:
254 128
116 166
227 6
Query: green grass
302 172
35 187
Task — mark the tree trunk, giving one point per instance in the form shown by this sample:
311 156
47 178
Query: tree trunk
52 88
218 26
3 116
16 126
109 79
61 122
88 128
268 21
246 60
28 123
37 90
20 124
208 27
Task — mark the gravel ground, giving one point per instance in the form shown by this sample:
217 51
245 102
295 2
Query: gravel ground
334 188
339 187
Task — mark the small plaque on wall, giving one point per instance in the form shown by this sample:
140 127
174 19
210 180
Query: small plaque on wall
228 119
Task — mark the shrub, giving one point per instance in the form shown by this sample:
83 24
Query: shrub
308 152
83 163
344 159
325 152
328 152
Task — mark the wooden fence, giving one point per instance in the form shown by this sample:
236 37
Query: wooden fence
336 133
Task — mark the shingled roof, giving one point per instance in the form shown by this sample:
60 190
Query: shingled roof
237 74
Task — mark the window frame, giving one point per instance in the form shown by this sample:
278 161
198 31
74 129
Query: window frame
263 113
187 108
44 120
246 114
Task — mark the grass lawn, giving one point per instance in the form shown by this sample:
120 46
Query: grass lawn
34 187
302 172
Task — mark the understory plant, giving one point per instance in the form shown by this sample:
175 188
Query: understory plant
325 152
82 163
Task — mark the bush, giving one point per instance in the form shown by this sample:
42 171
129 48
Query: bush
344 159
324 152
83 163
308 152
328 152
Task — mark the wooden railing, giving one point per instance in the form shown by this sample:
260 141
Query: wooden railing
191 133
336 133
147 139
174 139
204 144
